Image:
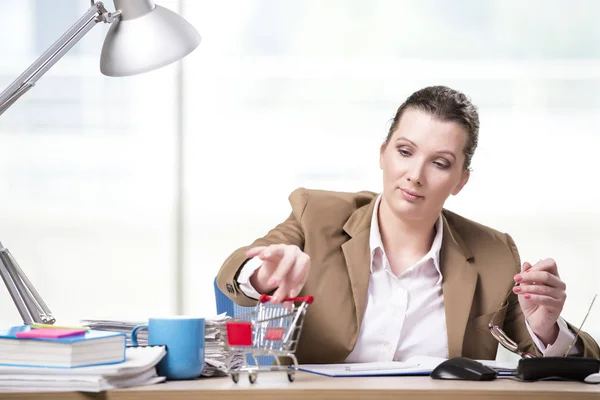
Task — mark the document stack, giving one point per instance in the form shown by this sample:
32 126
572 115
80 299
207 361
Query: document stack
218 357
138 369
119 326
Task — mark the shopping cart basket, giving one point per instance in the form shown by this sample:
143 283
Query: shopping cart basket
270 330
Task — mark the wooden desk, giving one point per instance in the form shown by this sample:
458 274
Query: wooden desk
274 385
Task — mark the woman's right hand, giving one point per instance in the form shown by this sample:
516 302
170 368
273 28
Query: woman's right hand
284 267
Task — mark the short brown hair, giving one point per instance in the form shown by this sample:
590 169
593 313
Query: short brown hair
446 105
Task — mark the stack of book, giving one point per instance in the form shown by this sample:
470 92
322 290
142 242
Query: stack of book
73 360
138 369
59 348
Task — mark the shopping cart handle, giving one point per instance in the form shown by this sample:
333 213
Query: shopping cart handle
309 299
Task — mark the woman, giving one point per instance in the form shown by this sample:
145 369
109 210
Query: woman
396 275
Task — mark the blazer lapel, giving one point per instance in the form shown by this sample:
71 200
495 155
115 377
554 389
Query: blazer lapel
358 258
459 280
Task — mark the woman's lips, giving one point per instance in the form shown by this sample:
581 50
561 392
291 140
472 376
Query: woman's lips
410 195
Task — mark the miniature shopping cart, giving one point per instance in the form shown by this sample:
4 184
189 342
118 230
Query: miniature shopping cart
269 330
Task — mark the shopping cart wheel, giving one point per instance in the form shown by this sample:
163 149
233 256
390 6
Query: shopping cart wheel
252 377
291 376
235 377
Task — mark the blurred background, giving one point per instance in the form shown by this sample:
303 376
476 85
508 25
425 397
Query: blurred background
121 197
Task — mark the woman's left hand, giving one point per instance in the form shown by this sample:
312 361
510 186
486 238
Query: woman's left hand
542 296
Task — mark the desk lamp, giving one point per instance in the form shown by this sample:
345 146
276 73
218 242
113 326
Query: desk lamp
142 37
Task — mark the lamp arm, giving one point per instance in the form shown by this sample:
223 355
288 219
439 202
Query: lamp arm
28 301
96 13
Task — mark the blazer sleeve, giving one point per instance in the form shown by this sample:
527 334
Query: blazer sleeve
288 232
515 328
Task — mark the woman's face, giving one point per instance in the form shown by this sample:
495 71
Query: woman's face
423 164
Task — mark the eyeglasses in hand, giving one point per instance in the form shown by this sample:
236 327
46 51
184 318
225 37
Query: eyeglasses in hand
511 345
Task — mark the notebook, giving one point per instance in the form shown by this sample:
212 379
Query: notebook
89 348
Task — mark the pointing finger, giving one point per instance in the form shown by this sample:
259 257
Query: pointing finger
273 252
280 294
253 252
283 268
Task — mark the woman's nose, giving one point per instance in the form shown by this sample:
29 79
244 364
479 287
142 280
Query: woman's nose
415 174
415 181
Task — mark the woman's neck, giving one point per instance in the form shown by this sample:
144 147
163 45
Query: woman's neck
405 240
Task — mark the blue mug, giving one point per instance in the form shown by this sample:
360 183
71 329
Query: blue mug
184 338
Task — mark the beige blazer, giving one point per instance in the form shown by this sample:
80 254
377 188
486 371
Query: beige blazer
477 264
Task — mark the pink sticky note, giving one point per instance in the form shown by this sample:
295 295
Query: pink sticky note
49 333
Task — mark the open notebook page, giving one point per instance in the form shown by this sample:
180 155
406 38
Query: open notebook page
419 365
412 366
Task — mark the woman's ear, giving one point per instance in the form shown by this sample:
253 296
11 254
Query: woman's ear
381 152
463 181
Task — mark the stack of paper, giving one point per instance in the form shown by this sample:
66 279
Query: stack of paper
219 359
138 369
119 326
218 356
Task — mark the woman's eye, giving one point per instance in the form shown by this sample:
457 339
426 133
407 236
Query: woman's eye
441 165
404 152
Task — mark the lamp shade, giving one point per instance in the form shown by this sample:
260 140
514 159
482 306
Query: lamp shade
144 38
